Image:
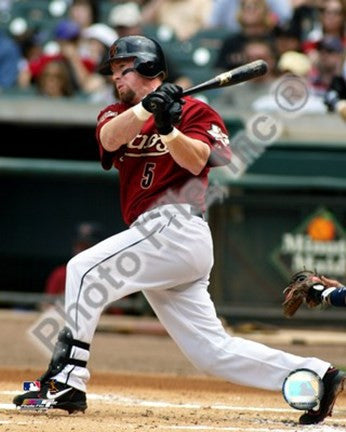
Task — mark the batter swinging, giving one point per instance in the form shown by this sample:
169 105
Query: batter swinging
163 156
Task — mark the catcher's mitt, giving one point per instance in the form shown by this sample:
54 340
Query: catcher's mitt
305 286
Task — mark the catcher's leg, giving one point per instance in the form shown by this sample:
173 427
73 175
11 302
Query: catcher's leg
189 316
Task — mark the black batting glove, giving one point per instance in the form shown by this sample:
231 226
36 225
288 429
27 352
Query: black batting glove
156 100
167 117
163 96
166 105
172 90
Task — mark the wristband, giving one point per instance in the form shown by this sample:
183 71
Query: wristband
170 137
326 295
140 112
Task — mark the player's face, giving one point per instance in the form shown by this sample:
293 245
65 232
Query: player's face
130 87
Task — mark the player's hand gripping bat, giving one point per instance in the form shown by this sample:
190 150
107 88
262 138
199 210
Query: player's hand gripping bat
234 76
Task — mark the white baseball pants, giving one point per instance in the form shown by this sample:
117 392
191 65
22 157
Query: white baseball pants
168 254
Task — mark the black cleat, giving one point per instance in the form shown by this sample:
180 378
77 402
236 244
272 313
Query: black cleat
53 394
333 382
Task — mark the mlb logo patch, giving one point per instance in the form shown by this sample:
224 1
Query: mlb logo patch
31 385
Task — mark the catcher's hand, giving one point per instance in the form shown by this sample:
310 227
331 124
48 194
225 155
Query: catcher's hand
305 287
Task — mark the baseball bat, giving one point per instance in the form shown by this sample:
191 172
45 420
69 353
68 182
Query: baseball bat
234 76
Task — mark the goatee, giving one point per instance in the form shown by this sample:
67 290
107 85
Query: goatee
126 97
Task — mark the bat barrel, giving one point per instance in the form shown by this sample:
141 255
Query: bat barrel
238 75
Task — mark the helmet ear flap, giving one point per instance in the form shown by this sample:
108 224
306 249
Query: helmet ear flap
148 68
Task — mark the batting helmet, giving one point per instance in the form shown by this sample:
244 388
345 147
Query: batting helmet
149 58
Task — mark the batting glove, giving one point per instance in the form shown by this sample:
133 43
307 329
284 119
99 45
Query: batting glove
172 90
166 106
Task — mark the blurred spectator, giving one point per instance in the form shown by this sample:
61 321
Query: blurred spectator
95 42
243 96
67 48
305 18
81 65
256 20
10 58
335 96
333 19
125 18
55 80
329 62
87 234
184 17
84 12
262 48
31 44
286 38
293 64
224 13
331 22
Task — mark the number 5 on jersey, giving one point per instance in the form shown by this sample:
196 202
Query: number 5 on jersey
148 175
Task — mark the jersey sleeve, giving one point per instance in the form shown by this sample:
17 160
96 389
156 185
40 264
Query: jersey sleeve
201 122
108 159
338 297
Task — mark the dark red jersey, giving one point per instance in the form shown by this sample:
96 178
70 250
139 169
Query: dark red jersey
148 174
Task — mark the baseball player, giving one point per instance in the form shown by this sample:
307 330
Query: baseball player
163 146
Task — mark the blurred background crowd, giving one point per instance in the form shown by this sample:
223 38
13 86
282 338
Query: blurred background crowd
54 48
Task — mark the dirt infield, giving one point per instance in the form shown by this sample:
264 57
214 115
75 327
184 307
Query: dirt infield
142 382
